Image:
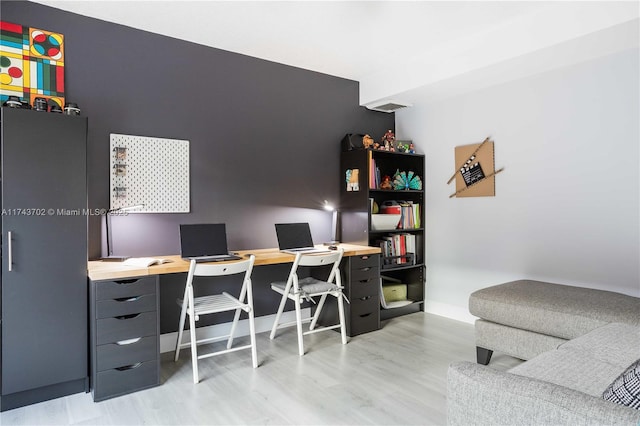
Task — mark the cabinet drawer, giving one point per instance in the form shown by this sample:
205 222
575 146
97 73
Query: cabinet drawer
125 306
364 261
364 315
115 382
365 272
110 330
125 288
113 355
365 286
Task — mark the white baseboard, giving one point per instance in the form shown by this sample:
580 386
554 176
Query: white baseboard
449 311
264 323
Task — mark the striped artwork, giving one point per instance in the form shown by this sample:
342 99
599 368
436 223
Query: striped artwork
31 63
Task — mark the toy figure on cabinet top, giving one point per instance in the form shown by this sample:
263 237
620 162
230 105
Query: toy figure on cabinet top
367 141
388 141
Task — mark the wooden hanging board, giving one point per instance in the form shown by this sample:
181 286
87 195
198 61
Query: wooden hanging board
477 177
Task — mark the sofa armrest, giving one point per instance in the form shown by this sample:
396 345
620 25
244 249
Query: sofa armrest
480 395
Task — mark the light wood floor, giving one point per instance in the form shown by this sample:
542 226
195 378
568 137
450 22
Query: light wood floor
396 375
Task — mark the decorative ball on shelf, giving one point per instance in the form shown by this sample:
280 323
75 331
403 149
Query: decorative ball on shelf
404 181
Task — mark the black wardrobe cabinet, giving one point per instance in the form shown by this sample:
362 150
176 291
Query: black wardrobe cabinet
44 352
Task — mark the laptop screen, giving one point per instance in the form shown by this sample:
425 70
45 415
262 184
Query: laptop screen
293 235
205 239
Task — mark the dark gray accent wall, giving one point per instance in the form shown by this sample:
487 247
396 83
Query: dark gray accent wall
264 137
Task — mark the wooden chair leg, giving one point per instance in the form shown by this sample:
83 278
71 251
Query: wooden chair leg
236 317
183 314
252 333
194 350
278 315
318 310
343 328
179 340
299 325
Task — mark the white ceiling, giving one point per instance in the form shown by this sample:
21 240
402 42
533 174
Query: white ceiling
393 48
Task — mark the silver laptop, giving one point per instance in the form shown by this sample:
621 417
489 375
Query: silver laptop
294 238
205 242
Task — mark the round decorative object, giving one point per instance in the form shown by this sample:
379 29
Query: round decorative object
13 102
40 104
71 109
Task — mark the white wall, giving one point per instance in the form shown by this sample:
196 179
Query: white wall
567 206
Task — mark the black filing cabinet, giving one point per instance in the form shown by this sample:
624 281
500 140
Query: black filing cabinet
125 351
361 280
362 288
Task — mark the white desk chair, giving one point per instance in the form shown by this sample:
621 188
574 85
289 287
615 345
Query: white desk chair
197 306
299 290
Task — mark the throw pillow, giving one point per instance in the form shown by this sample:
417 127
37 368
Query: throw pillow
625 389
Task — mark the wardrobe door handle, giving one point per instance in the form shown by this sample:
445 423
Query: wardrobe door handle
10 251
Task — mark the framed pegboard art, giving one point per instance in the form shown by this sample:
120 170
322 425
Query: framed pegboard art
148 171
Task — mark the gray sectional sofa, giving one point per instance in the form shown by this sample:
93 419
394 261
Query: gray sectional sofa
577 341
563 386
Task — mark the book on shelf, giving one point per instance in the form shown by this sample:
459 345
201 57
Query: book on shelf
398 247
374 175
144 262
410 215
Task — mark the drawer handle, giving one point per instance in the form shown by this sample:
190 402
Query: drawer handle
125 282
365 298
365 281
365 315
368 268
124 317
128 341
364 257
129 367
127 299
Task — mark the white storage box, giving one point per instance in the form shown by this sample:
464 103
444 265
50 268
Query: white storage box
384 222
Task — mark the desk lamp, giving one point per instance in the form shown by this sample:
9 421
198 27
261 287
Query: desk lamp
334 224
110 257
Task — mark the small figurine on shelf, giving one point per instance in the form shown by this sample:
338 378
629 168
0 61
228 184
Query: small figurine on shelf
388 141
386 183
402 147
367 141
412 149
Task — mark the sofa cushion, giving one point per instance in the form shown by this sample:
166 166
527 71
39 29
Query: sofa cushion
589 363
553 309
572 369
625 390
616 344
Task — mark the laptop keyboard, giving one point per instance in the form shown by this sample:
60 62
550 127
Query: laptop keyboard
216 258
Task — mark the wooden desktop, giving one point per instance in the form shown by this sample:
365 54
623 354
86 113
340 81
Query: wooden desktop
99 270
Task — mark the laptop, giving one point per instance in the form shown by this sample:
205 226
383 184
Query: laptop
294 238
205 242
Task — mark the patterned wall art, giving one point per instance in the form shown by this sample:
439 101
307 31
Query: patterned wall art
31 63
147 171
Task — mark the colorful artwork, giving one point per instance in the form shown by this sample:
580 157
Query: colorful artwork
31 63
